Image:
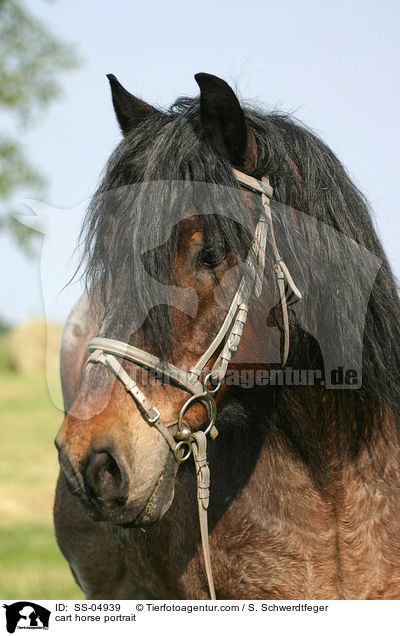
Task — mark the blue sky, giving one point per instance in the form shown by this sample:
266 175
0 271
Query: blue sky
335 65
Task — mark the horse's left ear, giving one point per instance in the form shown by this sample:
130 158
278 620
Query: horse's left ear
130 110
224 123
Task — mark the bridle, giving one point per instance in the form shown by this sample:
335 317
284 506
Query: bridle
182 441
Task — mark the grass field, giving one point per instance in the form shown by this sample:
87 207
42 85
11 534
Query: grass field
31 565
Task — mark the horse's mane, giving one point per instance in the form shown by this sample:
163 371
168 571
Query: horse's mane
305 174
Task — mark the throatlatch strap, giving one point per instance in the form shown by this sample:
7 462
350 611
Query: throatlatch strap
282 277
281 271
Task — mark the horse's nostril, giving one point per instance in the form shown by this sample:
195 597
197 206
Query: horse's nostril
106 479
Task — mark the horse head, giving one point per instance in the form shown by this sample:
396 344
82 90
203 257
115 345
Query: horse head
169 240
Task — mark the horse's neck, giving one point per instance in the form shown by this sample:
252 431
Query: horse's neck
304 431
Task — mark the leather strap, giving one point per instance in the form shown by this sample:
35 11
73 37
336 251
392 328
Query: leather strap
263 187
251 278
199 450
142 358
150 412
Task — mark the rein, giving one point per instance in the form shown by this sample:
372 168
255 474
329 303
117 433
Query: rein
180 438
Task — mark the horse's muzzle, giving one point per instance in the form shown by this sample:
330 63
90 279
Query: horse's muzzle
105 485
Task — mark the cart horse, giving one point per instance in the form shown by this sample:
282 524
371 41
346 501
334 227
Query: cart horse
231 373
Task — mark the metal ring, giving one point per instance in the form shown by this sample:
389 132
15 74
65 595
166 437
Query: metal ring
211 404
207 401
207 381
184 456
187 404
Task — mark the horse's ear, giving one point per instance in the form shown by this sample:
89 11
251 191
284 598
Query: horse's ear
223 121
130 110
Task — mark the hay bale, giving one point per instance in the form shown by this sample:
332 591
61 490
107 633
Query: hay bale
35 346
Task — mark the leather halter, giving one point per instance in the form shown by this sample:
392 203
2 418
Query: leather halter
180 438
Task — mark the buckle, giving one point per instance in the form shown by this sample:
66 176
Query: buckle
153 415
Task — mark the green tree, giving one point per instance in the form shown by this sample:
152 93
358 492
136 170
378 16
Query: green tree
31 58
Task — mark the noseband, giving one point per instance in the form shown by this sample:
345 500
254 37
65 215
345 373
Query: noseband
180 438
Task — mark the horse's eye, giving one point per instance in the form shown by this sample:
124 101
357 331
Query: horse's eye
213 255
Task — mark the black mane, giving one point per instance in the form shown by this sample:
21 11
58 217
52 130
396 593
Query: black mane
304 173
